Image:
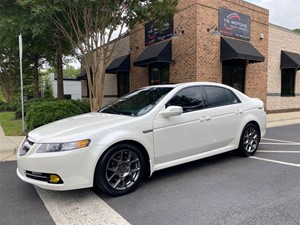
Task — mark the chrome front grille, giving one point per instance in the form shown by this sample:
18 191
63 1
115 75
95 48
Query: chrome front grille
26 146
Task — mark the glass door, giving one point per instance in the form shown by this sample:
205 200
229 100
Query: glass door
233 74
159 73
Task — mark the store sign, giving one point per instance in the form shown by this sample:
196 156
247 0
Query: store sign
155 32
234 24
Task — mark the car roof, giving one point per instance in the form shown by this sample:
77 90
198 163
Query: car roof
241 95
187 84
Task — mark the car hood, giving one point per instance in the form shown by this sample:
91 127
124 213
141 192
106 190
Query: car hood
77 127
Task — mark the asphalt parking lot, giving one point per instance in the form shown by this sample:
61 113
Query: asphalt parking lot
225 189
19 201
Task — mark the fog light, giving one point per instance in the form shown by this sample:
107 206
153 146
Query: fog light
54 179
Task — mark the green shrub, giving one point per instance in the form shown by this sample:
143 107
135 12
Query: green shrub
3 106
84 105
49 111
29 103
9 107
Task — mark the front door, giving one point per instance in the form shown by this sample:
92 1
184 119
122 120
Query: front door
159 73
184 135
233 74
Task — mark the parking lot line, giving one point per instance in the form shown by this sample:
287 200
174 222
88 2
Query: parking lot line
275 161
79 207
283 141
267 143
280 151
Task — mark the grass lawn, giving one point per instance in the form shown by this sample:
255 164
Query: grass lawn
10 125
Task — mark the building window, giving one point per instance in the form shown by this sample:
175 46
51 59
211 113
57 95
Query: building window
159 73
233 74
67 96
288 82
123 83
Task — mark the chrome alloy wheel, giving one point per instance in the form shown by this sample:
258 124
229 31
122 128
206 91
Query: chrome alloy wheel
250 139
123 169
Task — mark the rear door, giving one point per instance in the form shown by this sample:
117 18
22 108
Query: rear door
225 112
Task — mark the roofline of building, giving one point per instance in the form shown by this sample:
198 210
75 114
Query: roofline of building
254 5
283 29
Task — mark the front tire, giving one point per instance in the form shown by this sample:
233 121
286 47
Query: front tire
120 170
249 140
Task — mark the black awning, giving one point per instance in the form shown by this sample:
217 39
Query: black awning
290 60
161 52
120 64
234 49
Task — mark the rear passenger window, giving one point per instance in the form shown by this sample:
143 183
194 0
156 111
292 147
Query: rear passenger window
218 96
190 99
233 97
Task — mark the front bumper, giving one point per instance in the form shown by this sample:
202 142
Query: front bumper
76 167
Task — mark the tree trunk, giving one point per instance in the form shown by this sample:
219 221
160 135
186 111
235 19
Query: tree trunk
36 75
59 66
96 88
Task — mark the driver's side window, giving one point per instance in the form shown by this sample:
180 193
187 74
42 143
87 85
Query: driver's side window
190 99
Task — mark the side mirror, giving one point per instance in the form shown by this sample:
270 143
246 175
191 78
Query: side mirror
171 111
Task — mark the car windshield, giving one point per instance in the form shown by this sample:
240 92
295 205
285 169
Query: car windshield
138 102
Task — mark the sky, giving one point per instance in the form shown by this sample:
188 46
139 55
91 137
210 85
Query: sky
285 13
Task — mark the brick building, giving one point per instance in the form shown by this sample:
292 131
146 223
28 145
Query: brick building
246 54
283 93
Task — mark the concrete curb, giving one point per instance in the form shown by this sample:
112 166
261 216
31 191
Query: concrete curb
283 119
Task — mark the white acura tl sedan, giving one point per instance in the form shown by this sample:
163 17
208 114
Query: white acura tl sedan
147 130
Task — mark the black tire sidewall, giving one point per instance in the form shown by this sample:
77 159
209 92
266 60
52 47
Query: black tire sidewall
100 172
242 151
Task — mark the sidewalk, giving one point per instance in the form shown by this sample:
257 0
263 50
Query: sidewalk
9 144
282 119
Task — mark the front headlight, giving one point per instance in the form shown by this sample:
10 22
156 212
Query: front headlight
58 147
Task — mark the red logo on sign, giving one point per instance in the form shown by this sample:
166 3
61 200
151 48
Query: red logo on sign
230 17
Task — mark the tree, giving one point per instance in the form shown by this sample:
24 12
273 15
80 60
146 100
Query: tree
9 75
39 36
48 36
297 30
90 25
47 88
13 21
71 72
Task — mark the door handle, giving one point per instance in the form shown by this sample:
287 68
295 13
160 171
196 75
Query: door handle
238 112
205 118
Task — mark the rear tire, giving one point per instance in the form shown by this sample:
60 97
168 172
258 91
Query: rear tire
120 170
249 140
